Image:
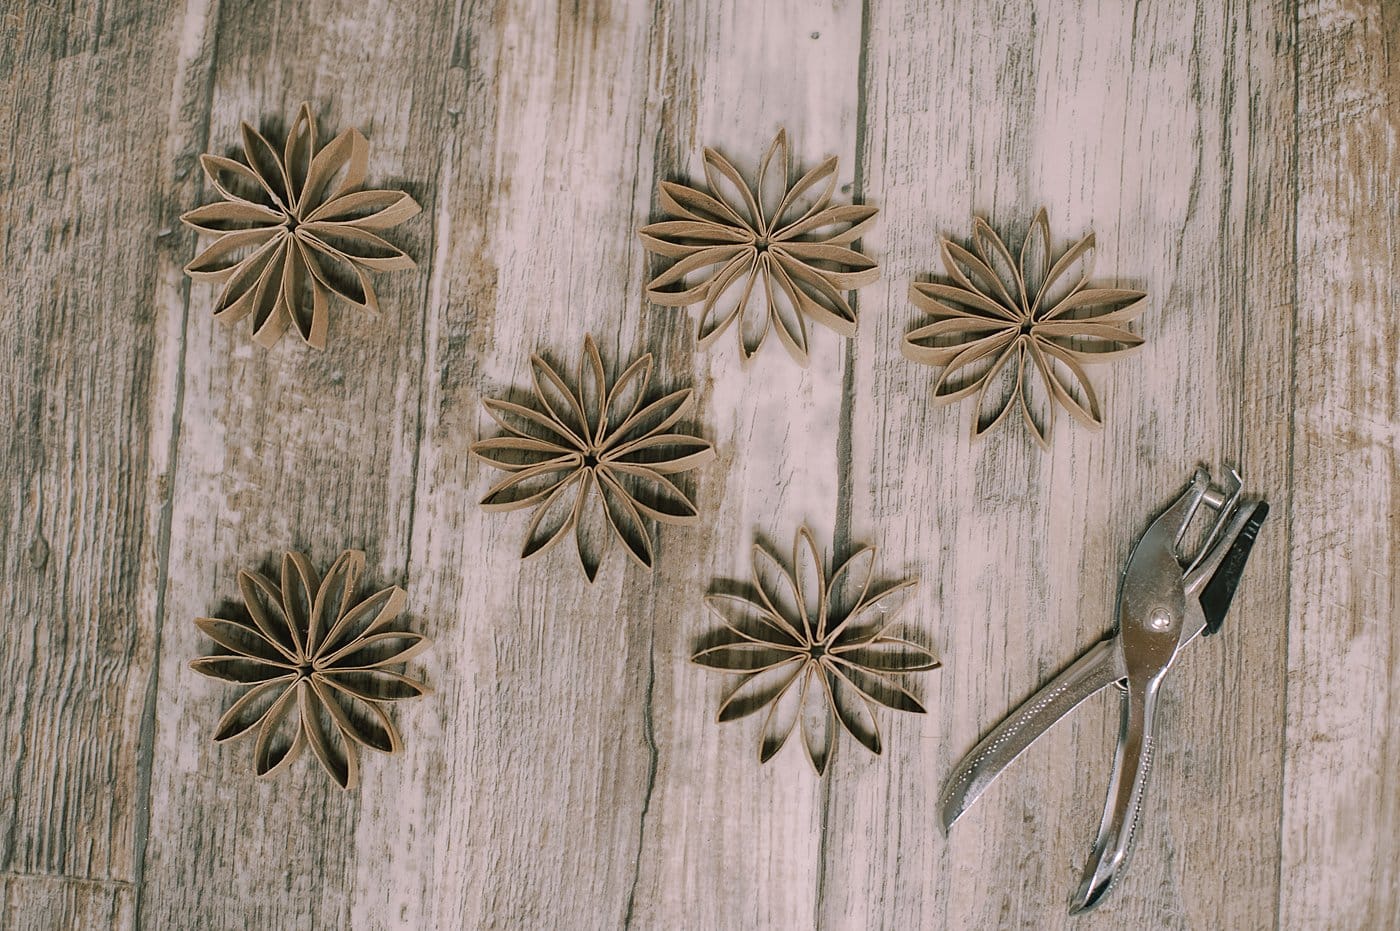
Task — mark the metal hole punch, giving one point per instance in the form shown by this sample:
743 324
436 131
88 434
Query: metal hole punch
1164 602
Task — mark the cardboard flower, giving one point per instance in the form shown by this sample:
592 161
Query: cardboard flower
293 229
318 663
770 256
593 458
814 650
1013 330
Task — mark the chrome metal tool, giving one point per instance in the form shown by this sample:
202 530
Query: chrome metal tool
1164 602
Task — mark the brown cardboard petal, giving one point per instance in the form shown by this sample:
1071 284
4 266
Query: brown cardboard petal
592 457
319 660
292 230
784 233
813 652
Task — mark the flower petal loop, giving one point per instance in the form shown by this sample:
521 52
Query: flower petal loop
769 254
595 458
815 649
292 229
319 661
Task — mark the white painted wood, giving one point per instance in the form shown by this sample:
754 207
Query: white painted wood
1103 118
1341 811
1236 161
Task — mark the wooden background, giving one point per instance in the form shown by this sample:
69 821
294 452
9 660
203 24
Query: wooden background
1238 161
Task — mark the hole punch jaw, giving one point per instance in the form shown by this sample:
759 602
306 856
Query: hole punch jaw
1178 516
1154 575
1224 501
1234 516
1215 571
1219 573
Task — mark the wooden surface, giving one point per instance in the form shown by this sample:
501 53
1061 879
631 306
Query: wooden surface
1238 161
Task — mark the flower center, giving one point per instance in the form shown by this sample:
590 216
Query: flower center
761 244
291 223
304 670
590 459
1026 327
817 650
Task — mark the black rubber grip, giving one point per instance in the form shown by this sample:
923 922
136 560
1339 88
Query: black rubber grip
1220 590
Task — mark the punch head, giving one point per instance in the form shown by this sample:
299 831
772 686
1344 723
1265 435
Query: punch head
1220 590
1224 500
1222 497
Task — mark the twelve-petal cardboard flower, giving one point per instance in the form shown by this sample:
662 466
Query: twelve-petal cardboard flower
1010 331
593 458
318 665
292 230
767 256
816 650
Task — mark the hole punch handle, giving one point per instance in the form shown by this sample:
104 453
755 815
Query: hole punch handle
1132 763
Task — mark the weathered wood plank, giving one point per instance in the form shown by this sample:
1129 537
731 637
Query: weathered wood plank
1341 815
289 447
1134 124
730 843
568 771
547 669
38 903
538 671
83 194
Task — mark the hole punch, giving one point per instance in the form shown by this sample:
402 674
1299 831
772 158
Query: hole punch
1162 607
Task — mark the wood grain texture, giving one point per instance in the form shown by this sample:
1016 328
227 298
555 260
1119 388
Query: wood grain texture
263 454
35 902
1020 550
84 198
1237 161
1341 812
